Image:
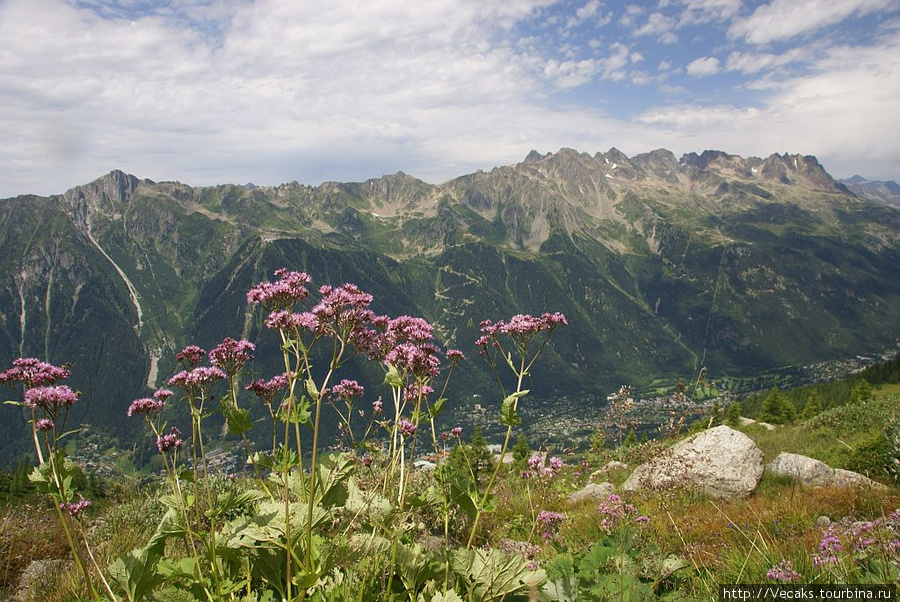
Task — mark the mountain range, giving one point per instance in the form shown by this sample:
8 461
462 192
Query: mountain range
663 265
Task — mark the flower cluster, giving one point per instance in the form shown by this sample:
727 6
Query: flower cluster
614 511
197 378
282 294
537 468
75 508
521 328
32 372
268 389
283 319
404 342
190 355
783 572
857 538
146 406
346 389
406 427
43 425
50 398
230 355
414 392
550 522
171 441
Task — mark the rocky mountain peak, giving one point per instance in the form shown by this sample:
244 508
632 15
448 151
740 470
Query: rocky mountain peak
105 196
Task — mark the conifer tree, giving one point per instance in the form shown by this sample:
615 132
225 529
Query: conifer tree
862 393
813 406
733 414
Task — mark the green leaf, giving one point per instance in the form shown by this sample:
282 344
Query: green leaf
233 500
392 377
13 403
136 574
508 414
489 574
438 407
299 412
171 525
447 596
237 419
564 589
311 388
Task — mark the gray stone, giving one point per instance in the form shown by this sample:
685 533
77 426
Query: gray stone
823 521
720 461
808 471
815 473
592 491
37 578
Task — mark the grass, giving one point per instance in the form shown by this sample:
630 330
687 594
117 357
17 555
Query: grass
722 541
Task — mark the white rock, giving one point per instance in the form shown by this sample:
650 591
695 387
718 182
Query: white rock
593 491
721 461
815 473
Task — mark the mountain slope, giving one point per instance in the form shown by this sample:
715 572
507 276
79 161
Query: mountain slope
662 265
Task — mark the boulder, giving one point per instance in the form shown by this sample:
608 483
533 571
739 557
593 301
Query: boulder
37 578
815 473
592 491
720 461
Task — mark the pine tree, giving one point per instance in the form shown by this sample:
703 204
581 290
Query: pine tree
733 414
521 450
715 415
481 459
862 393
813 406
777 408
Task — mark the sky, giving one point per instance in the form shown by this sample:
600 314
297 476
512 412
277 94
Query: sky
210 92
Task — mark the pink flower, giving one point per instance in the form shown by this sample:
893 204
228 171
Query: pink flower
521 328
268 389
455 355
377 406
456 431
192 353
413 392
32 372
76 508
406 427
285 320
50 398
551 522
162 394
170 441
282 294
347 389
231 355
44 425
344 308
197 379
145 406
784 572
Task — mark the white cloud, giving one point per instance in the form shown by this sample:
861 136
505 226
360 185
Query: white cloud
784 19
631 15
707 11
659 26
844 112
701 67
753 62
268 91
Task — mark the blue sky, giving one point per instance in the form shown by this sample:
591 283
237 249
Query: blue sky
270 91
